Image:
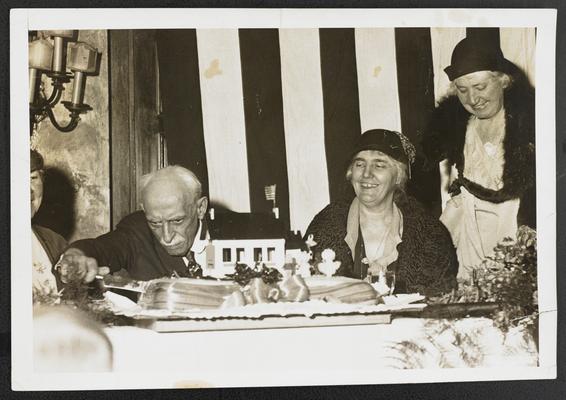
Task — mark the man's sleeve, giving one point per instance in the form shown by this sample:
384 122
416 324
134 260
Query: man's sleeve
115 249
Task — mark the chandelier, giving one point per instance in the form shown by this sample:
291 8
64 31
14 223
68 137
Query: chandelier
48 57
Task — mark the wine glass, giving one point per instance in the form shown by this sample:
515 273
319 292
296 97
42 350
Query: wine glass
390 280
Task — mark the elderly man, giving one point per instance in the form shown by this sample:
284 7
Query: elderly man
155 242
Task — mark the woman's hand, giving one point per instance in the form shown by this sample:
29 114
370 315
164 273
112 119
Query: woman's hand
376 268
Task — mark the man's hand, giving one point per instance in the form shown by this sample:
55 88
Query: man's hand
74 264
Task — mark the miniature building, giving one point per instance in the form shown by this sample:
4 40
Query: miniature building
247 238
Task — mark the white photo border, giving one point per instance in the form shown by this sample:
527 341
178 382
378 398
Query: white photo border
22 20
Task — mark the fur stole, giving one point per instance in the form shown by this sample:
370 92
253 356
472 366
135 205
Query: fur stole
445 138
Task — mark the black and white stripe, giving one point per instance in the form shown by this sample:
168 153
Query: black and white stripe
249 108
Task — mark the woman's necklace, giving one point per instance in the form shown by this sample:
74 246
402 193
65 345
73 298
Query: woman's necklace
490 130
377 254
379 248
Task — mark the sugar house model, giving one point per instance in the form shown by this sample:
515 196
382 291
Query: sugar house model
252 239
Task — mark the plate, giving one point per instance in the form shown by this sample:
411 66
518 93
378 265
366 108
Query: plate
402 299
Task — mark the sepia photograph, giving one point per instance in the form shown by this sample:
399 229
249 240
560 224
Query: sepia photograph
246 197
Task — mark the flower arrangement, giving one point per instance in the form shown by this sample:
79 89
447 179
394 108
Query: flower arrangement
81 296
243 274
50 298
75 293
507 277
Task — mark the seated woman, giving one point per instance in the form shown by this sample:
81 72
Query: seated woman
383 228
46 244
485 131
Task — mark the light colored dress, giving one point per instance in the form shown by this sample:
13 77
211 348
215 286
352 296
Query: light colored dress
476 225
386 253
43 279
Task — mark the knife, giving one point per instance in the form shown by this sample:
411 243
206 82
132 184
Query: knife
121 283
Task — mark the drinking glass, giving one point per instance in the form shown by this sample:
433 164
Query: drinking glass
390 280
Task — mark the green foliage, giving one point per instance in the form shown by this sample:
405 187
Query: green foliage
84 297
509 277
244 274
442 338
39 297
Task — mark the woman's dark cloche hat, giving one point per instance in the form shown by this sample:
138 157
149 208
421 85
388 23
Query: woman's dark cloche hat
388 142
472 55
35 161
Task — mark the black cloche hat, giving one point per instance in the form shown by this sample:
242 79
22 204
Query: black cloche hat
474 54
392 143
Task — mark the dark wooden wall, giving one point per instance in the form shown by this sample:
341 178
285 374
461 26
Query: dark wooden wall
136 145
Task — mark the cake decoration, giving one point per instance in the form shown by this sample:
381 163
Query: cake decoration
328 266
257 291
303 281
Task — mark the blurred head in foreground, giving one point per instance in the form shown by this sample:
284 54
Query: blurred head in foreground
65 340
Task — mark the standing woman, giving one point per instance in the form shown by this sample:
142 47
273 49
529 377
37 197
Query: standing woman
382 228
486 130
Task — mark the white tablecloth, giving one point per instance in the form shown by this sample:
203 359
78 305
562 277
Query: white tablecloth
405 343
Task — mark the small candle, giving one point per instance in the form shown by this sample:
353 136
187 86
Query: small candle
59 37
78 88
34 77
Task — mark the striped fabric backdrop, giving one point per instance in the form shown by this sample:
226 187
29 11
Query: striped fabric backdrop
247 108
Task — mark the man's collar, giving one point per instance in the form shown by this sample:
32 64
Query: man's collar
201 239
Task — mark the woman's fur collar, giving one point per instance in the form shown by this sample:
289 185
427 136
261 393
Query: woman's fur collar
446 136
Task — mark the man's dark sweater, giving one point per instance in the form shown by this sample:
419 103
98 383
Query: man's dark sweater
133 247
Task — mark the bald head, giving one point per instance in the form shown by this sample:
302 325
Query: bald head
173 179
173 204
